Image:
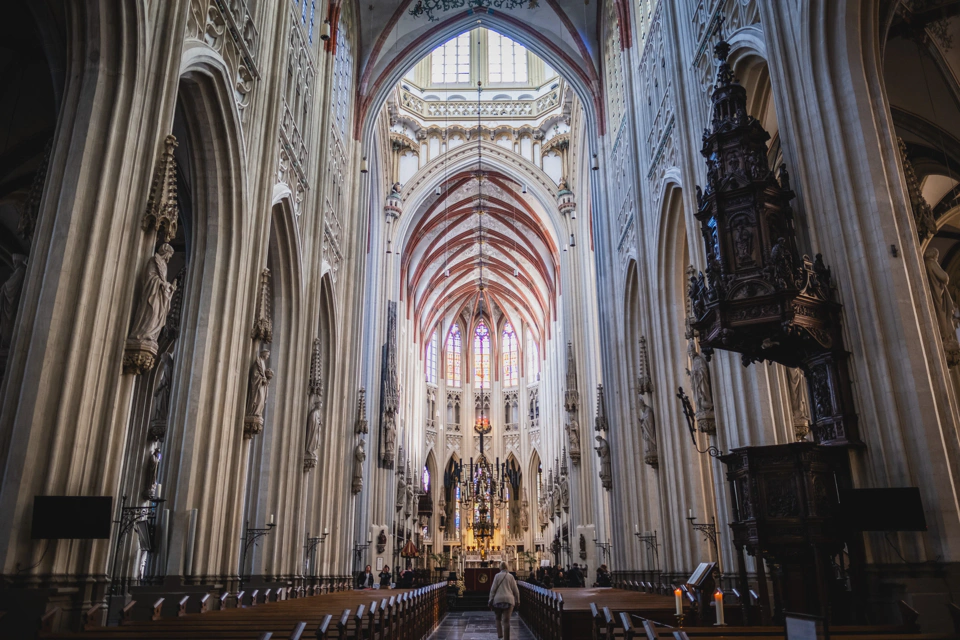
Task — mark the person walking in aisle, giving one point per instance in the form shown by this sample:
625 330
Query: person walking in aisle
504 596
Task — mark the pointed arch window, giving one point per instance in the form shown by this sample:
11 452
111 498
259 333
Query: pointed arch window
481 355
425 480
431 359
511 357
454 355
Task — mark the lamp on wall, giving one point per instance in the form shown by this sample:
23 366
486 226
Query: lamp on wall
524 189
325 30
363 165
596 163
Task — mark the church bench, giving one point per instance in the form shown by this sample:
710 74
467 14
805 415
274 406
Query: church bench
93 617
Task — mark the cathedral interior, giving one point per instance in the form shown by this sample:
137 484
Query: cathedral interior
663 290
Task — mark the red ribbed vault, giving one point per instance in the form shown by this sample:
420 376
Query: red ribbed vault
440 261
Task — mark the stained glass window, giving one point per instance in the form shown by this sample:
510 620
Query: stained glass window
453 356
456 513
511 357
481 356
450 62
507 60
431 360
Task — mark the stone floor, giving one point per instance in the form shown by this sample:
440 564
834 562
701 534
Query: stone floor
477 625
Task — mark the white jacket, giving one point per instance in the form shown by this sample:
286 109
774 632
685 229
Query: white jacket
504 589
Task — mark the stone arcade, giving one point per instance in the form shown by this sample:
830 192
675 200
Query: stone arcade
300 286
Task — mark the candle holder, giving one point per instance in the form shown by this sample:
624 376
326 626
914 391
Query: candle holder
651 543
126 521
250 537
709 531
680 618
311 547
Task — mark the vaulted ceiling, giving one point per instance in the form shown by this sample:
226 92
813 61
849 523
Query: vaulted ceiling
563 32
520 256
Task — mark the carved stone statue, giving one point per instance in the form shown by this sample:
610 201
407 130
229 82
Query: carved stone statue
573 438
389 437
563 490
161 399
702 389
401 492
542 512
411 501
524 515
150 472
583 547
943 305
799 405
153 306
648 429
603 450
10 299
260 376
359 455
313 434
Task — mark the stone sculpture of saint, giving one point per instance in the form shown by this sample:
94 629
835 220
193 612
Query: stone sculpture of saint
401 492
702 388
411 500
151 470
389 436
313 434
563 487
799 406
648 429
573 438
359 455
155 295
943 304
603 450
260 376
10 298
524 515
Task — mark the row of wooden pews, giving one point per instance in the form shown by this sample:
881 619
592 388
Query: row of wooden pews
405 615
542 610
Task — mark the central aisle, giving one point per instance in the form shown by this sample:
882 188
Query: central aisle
478 625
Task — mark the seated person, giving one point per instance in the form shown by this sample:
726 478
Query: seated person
365 579
385 577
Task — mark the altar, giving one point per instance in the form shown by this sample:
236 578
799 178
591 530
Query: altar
479 578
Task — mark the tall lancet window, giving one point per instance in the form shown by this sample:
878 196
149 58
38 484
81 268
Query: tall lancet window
453 349
511 357
533 358
481 356
431 359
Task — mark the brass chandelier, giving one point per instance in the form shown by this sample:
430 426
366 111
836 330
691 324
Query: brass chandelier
428 7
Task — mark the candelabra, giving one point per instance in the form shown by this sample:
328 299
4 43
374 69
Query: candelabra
310 547
709 531
128 518
650 541
250 537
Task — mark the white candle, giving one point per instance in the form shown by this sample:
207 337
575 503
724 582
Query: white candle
718 603
369 537
271 518
689 513
636 528
159 486
326 531
678 596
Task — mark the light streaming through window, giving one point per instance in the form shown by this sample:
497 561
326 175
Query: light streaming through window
450 62
511 357
506 59
481 356
453 356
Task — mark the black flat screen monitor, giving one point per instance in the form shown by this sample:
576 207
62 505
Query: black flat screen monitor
65 517
897 509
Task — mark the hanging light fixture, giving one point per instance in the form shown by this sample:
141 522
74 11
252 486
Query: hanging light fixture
325 30
573 241
363 165
524 189
437 191
596 163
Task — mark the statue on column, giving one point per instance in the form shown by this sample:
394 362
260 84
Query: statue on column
161 399
260 376
573 438
314 420
411 500
702 389
524 515
563 489
151 471
799 405
648 429
401 492
10 299
542 512
359 455
943 305
389 437
603 450
153 305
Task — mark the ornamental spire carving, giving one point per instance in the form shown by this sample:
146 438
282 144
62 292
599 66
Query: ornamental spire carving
361 424
644 380
162 209
601 421
391 392
316 369
922 213
572 397
758 296
263 322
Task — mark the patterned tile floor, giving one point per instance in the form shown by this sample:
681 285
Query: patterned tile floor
477 625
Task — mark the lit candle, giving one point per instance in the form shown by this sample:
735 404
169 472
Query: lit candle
271 518
718 603
678 596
